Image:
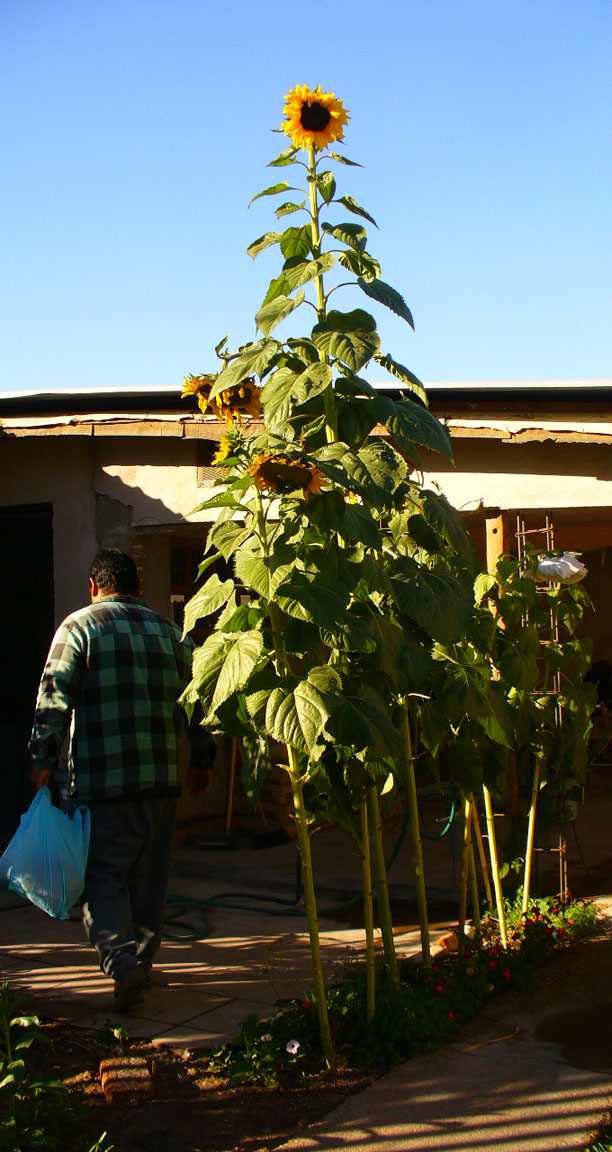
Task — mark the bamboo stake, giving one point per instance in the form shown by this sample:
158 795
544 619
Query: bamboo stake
501 915
368 914
484 867
416 842
463 879
474 894
381 886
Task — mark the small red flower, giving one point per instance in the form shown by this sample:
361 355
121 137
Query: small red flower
492 964
451 1016
439 990
306 1004
561 933
507 974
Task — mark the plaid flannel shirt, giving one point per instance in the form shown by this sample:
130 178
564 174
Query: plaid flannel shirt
113 675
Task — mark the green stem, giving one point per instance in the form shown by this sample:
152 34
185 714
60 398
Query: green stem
311 907
381 887
415 840
368 914
530 835
283 669
331 416
499 899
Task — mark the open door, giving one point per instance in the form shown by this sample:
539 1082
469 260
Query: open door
26 595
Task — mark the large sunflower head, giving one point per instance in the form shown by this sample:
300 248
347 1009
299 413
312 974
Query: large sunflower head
277 473
313 117
229 406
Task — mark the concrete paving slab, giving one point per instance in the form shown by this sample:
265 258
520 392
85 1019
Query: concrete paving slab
463 1098
224 1023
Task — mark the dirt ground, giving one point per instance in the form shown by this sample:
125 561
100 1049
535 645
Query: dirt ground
190 1111
193 1111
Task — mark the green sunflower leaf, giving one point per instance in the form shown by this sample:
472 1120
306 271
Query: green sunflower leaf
277 310
433 599
256 358
288 207
241 654
222 500
354 235
264 576
256 764
286 389
277 287
318 601
221 344
262 242
296 241
207 600
227 536
358 631
363 721
326 183
287 156
409 423
404 374
354 386
353 206
385 294
343 160
208 661
447 521
361 263
350 337
295 713
307 270
272 191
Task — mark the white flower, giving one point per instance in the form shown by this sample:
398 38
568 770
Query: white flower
267 1036
292 1047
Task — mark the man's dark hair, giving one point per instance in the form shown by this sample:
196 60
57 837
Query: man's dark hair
115 571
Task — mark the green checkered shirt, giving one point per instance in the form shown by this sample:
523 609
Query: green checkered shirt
113 675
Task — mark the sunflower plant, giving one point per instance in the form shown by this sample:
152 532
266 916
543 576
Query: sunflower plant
354 569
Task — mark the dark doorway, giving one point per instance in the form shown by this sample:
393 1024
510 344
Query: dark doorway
26 595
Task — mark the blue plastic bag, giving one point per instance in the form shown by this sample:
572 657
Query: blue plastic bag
46 859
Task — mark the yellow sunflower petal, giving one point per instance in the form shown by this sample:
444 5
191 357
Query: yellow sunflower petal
313 117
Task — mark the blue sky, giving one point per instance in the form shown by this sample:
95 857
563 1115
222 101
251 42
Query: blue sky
136 131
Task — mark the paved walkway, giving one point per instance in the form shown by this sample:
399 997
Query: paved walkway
243 960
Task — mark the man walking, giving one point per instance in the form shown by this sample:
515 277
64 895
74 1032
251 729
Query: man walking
114 673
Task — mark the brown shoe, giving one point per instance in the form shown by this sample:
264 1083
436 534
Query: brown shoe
129 989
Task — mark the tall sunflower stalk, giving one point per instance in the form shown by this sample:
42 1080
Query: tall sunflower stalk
347 558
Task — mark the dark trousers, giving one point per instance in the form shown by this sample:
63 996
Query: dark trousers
126 879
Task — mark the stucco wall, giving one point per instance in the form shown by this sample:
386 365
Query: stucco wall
493 474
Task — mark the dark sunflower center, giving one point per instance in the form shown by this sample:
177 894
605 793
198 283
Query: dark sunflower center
314 117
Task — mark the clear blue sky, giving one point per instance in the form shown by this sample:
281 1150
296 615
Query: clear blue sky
134 133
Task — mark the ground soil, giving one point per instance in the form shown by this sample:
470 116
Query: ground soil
193 1111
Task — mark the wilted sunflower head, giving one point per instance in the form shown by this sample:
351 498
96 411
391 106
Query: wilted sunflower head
275 473
229 406
313 117
222 452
